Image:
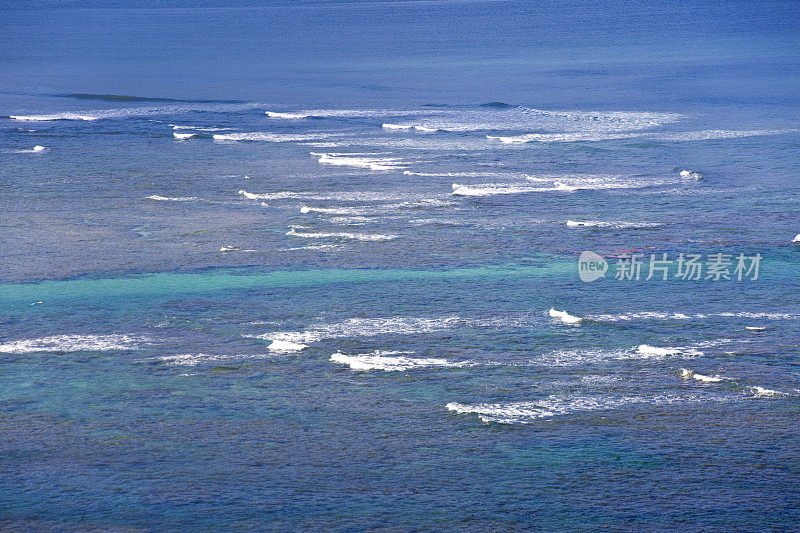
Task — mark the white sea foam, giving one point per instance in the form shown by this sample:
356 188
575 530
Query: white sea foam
272 137
756 390
274 195
184 136
601 380
74 343
560 181
437 221
613 225
642 315
313 247
351 221
332 210
492 189
340 235
464 174
351 113
707 135
56 116
137 111
286 346
366 161
655 315
235 249
763 391
560 405
597 182
35 150
755 328
390 361
379 209
601 356
192 359
522 118
275 114
659 352
365 327
768 316
688 174
661 136
176 127
398 325
326 144
171 198
356 196
195 359
415 127
565 317
689 374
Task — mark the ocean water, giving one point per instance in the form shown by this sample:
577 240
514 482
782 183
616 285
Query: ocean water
276 265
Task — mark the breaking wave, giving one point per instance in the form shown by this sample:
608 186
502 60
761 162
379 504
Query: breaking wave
558 405
74 343
390 361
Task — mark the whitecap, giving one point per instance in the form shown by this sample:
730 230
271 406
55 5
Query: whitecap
275 114
313 247
74 343
351 113
378 209
272 137
365 327
656 315
176 127
195 359
763 391
592 136
612 225
56 116
171 198
341 235
494 189
350 220
35 150
688 174
390 361
357 196
523 118
397 126
565 317
689 374
589 357
332 210
365 161
138 111
658 352
184 136
527 412
286 346
235 249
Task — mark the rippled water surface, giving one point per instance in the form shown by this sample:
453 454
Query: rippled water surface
275 265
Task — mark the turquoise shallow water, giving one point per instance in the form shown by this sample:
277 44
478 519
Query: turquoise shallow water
314 265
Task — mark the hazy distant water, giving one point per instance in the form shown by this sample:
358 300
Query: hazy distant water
291 265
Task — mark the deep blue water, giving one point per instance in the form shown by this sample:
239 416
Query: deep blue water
291 265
